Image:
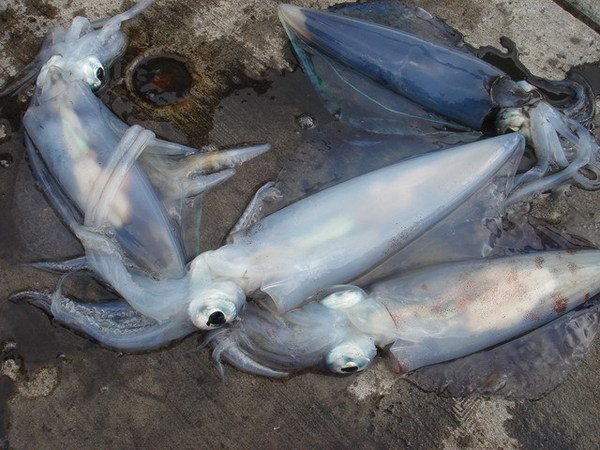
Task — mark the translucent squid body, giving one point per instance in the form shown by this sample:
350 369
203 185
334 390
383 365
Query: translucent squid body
422 317
327 238
413 76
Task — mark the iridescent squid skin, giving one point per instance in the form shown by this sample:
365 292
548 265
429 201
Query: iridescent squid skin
414 77
421 318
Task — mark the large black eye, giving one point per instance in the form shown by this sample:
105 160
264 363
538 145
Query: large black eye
216 319
100 74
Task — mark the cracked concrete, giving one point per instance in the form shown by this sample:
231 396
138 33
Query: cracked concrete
60 390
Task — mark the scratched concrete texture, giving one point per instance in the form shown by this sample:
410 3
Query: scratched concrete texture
59 390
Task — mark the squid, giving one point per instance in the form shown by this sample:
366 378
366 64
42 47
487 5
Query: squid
101 175
420 318
390 68
276 344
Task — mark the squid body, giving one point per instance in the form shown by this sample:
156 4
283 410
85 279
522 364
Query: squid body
422 317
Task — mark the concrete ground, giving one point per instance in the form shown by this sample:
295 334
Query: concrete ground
59 390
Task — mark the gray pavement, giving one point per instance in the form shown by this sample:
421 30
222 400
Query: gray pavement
59 390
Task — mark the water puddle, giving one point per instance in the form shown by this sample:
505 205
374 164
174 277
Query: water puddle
590 72
160 79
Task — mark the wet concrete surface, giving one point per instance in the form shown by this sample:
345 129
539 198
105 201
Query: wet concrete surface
58 389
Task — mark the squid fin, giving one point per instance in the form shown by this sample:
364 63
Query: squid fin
527 367
362 101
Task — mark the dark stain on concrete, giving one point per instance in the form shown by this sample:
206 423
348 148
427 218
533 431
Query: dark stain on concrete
7 388
41 7
555 422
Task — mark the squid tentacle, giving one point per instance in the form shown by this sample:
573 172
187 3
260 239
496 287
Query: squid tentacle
113 323
78 264
585 154
225 348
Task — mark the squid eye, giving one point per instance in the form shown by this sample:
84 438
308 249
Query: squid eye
90 71
100 74
209 317
216 306
209 314
216 319
351 357
350 367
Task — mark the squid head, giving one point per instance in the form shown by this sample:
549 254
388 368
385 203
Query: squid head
85 51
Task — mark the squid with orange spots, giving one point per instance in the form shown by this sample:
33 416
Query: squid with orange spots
419 318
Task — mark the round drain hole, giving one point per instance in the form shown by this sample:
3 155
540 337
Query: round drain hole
160 79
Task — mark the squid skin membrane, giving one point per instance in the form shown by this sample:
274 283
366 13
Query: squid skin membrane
422 317
413 76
